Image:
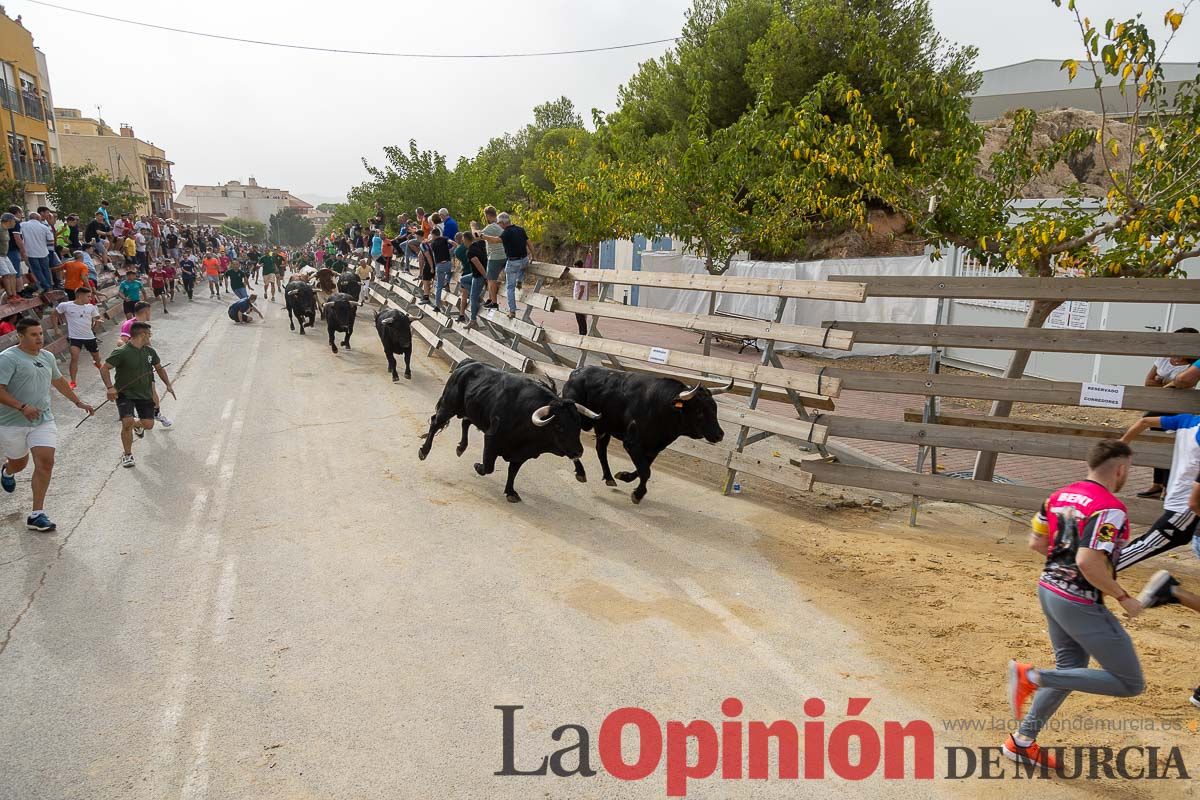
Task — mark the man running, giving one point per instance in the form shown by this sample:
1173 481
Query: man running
130 290
269 264
141 313
187 273
1080 529
237 281
82 317
240 311
26 423
158 284
132 388
212 271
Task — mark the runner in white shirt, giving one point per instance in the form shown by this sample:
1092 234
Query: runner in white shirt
81 316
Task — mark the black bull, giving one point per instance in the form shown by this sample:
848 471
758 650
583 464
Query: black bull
646 413
395 334
521 419
340 312
301 302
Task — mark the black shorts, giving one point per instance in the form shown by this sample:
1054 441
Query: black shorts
85 344
129 407
129 306
160 291
426 271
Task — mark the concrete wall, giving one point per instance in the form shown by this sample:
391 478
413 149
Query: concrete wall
116 155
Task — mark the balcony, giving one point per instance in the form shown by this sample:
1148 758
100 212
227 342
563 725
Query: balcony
22 170
41 172
8 97
156 184
33 106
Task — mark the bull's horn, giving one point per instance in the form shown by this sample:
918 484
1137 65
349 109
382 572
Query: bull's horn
587 412
721 389
539 417
354 302
327 305
688 394
420 315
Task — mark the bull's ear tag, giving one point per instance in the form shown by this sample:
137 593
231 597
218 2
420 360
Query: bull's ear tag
679 404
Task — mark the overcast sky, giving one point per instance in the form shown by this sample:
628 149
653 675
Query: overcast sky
302 120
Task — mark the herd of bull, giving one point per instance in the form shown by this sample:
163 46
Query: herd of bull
521 417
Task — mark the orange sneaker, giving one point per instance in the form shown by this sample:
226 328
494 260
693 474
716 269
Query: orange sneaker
1029 755
1020 688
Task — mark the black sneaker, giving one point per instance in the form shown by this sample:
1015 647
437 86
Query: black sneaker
139 431
1157 591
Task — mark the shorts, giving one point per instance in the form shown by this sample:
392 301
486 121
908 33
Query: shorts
17 440
129 407
159 291
128 306
426 271
494 267
6 267
465 280
269 279
85 344
213 278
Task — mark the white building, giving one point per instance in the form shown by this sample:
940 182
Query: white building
235 199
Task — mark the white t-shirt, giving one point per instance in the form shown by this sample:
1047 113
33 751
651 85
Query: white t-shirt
1185 462
79 318
1167 371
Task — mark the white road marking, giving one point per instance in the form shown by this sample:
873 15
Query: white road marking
223 606
228 410
195 785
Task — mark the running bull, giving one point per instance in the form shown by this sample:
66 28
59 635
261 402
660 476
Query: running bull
301 302
395 334
645 413
349 283
340 312
521 419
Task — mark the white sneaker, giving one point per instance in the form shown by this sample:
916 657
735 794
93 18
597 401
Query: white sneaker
161 420
127 460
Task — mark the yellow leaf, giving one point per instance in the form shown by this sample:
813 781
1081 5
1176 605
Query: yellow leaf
1174 19
1113 147
1195 201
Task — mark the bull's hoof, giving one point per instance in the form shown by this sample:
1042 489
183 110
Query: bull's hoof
292 327
513 498
395 378
422 452
334 348
480 470
302 331
637 498
609 482
346 345
626 477
459 450
407 375
581 477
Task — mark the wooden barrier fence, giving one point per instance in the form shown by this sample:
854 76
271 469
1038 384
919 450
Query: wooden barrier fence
522 345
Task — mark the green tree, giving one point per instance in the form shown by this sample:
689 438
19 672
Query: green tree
80 189
12 192
328 207
249 229
291 229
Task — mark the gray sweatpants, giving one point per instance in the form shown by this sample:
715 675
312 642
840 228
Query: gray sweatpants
1077 632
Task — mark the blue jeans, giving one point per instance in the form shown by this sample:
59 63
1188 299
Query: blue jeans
514 274
40 267
442 273
478 284
242 293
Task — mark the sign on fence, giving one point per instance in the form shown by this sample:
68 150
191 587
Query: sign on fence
1102 395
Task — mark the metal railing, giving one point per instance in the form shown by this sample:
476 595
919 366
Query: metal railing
41 172
33 106
8 97
22 170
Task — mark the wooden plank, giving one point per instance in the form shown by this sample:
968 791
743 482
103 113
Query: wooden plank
1126 343
1025 443
546 369
519 327
728 284
776 471
742 388
500 351
1023 390
799 381
939 487
544 269
1096 290
773 423
543 301
702 323
1035 426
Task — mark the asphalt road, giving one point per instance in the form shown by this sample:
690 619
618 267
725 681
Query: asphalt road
281 601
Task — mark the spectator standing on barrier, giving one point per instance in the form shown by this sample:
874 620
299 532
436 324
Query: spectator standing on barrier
516 250
495 253
37 239
443 266
27 424
579 291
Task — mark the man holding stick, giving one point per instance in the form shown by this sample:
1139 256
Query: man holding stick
26 423
134 363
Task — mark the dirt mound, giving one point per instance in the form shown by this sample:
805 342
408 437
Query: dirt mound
1088 170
